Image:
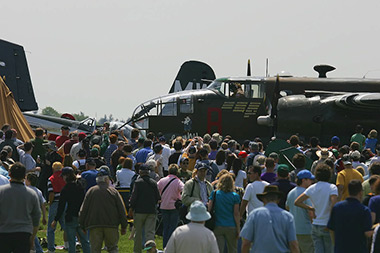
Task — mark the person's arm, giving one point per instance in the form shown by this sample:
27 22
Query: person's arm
61 204
293 246
43 209
209 205
373 215
340 191
334 200
332 236
368 233
246 245
300 202
237 219
245 182
243 206
51 198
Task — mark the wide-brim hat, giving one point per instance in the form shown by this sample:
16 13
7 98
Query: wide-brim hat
269 189
217 137
198 212
324 153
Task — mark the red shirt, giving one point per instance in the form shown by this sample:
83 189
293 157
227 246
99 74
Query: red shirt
60 140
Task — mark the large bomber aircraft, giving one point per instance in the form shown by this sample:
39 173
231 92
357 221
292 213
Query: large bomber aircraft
248 107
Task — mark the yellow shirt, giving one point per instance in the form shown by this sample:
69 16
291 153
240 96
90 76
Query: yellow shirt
344 178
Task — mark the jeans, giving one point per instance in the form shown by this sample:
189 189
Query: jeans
73 229
169 222
37 245
51 231
322 240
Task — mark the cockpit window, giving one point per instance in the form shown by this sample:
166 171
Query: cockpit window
186 104
239 89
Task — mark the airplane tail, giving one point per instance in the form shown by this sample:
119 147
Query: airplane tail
193 75
14 67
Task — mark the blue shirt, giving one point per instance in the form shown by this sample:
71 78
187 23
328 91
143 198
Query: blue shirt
107 154
270 229
374 206
301 216
349 220
224 208
4 172
90 176
142 154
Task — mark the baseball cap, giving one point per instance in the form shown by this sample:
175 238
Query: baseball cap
65 128
305 174
243 154
200 166
192 150
162 139
149 244
355 154
103 171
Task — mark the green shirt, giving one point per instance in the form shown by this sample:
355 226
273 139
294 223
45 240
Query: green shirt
359 138
39 149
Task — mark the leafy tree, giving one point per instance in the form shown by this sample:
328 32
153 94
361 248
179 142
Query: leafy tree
50 111
80 116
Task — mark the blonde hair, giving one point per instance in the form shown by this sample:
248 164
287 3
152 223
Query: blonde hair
372 134
57 166
221 173
226 183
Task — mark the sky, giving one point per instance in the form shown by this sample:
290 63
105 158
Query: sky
107 57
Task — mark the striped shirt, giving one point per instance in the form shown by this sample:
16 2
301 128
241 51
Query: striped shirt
50 189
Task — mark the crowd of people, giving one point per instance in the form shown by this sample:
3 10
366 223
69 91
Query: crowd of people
206 194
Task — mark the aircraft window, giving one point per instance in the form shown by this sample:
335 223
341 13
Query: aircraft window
168 107
186 104
237 90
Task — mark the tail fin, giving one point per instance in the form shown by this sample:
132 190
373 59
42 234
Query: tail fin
14 68
193 75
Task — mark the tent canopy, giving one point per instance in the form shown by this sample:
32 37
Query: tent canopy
11 114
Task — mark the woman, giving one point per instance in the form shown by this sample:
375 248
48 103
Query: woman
230 159
371 141
240 175
220 160
124 176
72 194
225 203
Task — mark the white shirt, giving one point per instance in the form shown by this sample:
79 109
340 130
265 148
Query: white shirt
124 176
250 195
365 167
3 180
191 238
239 180
319 195
75 149
166 152
222 166
78 163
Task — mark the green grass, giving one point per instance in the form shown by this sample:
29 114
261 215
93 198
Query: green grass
125 245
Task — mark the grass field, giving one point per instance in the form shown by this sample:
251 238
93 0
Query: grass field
125 245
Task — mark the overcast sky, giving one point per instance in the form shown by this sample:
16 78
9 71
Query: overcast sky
103 57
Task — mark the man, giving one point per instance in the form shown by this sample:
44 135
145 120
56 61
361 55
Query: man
116 154
38 143
269 228
374 169
323 154
250 201
283 183
166 152
358 137
255 150
9 142
157 157
344 178
90 174
102 212
63 137
193 237
67 145
80 164
170 188
299 161
177 153
133 141
355 155
269 175
350 222
183 173
214 150
212 170
323 195
142 154
19 213
301 216
25 150
197 188
144 199
55 186
77 146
